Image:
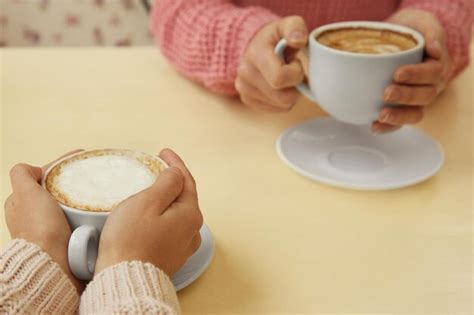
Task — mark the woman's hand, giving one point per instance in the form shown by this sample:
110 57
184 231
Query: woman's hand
416 86
159 225
32 214
264 81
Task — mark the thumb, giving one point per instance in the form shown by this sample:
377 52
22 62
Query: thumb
433 36
294 30
167 187
24 177
433 45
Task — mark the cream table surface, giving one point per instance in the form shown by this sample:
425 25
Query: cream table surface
283 243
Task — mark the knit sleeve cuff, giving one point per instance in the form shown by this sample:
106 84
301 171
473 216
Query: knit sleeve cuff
456 17
130 287
31 282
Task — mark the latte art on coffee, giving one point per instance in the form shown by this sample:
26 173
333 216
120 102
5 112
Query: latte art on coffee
367 41
97 181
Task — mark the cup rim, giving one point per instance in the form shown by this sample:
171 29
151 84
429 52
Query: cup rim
367 24
80 211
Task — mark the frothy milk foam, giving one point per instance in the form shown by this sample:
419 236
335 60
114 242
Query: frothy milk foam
103 181
99 180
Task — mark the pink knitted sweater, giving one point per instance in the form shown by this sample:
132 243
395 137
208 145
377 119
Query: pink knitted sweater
205 39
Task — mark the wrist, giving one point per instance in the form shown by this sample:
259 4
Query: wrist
58 254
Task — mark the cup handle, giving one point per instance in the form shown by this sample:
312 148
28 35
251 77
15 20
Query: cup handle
302 87
82 251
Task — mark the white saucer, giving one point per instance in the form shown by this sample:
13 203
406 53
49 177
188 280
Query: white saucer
197 263
353 157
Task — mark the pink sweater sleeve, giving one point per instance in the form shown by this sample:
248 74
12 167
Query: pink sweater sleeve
205 39
457 17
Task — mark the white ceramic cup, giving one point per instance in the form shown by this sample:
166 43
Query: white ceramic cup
349 86
86 227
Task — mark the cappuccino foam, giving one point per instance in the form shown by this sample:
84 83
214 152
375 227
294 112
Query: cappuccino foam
98 182
367 41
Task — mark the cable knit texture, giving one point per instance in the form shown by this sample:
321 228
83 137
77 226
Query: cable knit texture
31 283
205 39
130 288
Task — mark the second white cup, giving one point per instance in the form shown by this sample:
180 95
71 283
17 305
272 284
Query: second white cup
349 86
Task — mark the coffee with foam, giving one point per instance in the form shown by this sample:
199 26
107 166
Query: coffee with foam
367 40
98 180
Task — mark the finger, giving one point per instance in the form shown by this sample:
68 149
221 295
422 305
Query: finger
47 166
24 177
167 187
260 106
249 91
284 98
189 184
401 115
275 72
8 207
433 37
194 244
428 72
294 30
433 46
8 204
256 99
410 95
378 127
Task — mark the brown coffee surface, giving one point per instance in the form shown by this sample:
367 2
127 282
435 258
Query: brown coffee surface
367 40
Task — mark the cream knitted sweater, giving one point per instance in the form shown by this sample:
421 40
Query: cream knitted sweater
31 283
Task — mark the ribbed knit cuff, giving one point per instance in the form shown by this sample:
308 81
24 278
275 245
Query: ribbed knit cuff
31 282
130 287
456 17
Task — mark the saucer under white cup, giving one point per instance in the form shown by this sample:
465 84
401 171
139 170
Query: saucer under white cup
349 86
197 263
352 156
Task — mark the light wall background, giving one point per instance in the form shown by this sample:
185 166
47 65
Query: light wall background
73 23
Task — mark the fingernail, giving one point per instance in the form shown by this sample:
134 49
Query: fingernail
297 35
403 76
385 117
391 94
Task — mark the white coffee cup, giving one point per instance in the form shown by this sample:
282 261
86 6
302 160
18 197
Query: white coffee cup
86 227
349 86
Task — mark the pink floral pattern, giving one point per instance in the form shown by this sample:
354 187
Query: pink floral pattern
44 4
3 20
72 20
31 35
73 23
114 20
